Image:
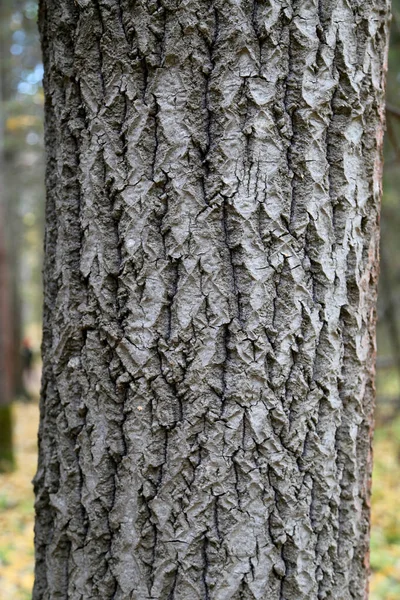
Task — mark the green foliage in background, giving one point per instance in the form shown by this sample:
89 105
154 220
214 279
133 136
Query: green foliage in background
385 538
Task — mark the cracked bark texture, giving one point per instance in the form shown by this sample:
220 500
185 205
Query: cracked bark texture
210 278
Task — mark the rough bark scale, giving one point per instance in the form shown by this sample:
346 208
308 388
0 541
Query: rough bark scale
211 261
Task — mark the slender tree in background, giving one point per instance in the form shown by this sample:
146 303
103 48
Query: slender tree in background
213 186
22 173
11 239
6 368
13 171
6 343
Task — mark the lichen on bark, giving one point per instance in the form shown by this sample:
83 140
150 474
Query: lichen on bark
213 189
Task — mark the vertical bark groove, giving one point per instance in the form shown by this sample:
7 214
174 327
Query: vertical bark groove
211 260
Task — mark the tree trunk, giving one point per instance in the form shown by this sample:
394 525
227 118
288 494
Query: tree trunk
7 462
6 368
210 279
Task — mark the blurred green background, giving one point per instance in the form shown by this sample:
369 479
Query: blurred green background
21 234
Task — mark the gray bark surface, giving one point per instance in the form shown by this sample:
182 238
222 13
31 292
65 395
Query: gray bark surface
210 278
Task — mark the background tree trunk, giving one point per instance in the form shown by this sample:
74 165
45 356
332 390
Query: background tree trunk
210 278
6 342
6 367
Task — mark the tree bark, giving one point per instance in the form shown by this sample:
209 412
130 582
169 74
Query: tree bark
211 250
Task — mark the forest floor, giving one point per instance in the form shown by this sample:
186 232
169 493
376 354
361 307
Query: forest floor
16 511
16 508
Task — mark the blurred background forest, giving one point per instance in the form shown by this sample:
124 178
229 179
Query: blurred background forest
22 200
